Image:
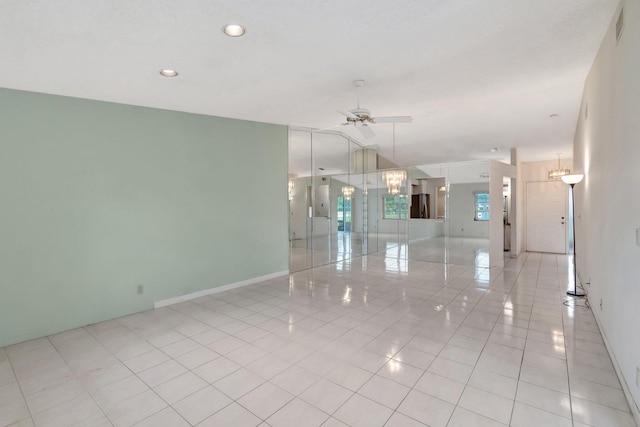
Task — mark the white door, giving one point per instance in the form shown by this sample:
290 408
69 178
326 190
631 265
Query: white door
546 215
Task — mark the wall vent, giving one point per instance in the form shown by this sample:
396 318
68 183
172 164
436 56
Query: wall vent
620 25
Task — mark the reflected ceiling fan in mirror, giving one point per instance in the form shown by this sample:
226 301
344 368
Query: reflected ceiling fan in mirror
361 117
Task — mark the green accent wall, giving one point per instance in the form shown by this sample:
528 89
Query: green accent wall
97 198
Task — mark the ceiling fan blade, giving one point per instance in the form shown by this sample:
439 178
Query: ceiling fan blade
329 128
348 114
367 132
393 119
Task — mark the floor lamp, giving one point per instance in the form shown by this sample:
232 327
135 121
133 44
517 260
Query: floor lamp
572 180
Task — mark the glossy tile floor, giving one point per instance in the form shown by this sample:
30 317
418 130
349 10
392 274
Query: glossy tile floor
341 246
371 342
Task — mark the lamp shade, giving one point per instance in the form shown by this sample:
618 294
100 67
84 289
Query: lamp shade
572 179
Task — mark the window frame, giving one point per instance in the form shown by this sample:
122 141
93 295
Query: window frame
402 214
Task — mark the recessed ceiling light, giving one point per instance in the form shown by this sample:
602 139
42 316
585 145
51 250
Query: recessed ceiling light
234 30
168 73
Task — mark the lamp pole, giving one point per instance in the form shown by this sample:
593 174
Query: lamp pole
572 180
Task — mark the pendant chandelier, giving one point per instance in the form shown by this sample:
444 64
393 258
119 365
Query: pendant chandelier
394 178
347 191
558 173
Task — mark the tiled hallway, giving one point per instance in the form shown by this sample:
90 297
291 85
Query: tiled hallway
369 342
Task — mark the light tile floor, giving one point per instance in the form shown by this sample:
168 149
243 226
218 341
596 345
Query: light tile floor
369 342
341 247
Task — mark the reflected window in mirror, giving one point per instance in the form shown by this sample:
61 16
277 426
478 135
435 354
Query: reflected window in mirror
481 201
344 214
395 207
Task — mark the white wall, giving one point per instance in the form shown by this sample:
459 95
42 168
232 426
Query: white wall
607 150
420 229
461 211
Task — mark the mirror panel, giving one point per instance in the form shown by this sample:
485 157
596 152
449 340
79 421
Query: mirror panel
300 200
341 207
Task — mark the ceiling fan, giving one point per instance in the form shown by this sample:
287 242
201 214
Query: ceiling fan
361 118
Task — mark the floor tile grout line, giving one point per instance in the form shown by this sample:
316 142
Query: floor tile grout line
474 368
24 399
515 396
566 355
410 388
566 364
122 362
537 306
445 344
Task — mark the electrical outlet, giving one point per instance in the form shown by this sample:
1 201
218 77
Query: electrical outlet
140 289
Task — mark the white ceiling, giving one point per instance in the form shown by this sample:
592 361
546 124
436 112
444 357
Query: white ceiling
473 74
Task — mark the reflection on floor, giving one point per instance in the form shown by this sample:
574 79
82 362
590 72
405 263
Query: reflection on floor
369 342
322 250
307 253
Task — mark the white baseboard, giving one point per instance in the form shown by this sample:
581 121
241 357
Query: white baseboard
204 292
635 411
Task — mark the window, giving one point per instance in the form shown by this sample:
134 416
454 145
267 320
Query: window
481 201
395 207
344 214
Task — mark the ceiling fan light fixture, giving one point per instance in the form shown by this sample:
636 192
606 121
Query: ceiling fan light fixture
361 118
234 30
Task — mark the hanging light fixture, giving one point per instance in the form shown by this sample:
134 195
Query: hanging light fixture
558 173
347 191
395 177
